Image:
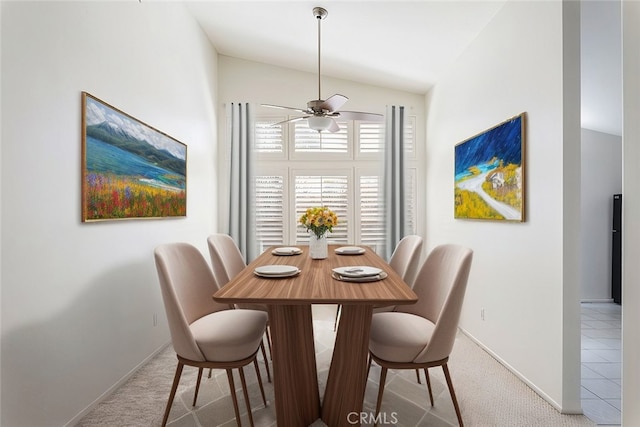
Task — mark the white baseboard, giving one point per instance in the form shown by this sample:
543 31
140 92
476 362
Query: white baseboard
596 300
522 378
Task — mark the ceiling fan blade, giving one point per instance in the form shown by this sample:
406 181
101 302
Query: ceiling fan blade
334 102
285 108
295 119
359 115
334 126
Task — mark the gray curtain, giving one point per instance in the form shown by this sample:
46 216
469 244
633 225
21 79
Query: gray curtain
394 178
241 197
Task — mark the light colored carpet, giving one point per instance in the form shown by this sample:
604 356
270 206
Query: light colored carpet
488 394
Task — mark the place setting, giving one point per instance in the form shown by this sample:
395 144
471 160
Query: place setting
286 251
276 271
349 250
358 274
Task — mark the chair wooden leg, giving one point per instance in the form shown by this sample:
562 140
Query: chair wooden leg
172 394
255 363
246 396
418 376
268 334
383 379
266 361
232 388
195 395
426 374
210 369
453 393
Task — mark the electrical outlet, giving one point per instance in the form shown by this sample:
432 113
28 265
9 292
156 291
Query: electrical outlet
482 313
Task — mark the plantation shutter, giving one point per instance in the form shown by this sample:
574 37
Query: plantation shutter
371 215
310 141
269 139
370 137
322 190
410 136
270 221
410 202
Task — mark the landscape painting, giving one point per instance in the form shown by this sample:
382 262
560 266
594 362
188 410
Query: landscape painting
129 169
489 173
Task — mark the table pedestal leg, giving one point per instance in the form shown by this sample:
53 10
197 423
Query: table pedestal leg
344 395
295 378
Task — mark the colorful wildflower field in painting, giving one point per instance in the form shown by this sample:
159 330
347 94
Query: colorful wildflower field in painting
130 170
111 196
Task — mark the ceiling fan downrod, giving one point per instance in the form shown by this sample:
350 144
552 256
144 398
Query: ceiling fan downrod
321 115
320 13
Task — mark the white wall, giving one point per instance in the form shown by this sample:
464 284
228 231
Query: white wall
601 171
520 276
253 82
78 300
631 213
0 216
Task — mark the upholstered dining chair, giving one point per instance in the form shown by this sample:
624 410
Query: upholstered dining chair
227 262
404 260
422 335
204 333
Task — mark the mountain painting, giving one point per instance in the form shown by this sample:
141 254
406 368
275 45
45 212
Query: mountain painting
129 170
489 173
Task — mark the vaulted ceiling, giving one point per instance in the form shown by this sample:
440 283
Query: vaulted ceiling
402 45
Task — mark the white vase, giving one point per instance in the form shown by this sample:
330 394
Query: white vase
318 248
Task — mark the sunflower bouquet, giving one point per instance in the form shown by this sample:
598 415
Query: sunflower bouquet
319 220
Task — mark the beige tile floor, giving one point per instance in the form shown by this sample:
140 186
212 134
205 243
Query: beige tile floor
601 362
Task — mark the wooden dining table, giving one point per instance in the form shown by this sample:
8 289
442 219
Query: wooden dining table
289 301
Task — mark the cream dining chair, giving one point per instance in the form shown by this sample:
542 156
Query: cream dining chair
227 262
405 260
204 333
422 335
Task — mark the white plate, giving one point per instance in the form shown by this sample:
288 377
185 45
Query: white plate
350 250
357 271
276 270
278 276
287 251
365 279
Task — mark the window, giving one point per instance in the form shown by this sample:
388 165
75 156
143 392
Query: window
298 168
327 188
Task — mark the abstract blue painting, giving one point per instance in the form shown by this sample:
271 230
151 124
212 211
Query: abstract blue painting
489 173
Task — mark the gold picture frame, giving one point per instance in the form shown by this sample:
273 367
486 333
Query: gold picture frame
489 181
130 170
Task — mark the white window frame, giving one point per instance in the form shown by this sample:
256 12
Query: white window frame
352 164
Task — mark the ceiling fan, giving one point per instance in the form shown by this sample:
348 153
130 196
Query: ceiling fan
321 114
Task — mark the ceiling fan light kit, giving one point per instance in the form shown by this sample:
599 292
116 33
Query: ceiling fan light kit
319 123
321 114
